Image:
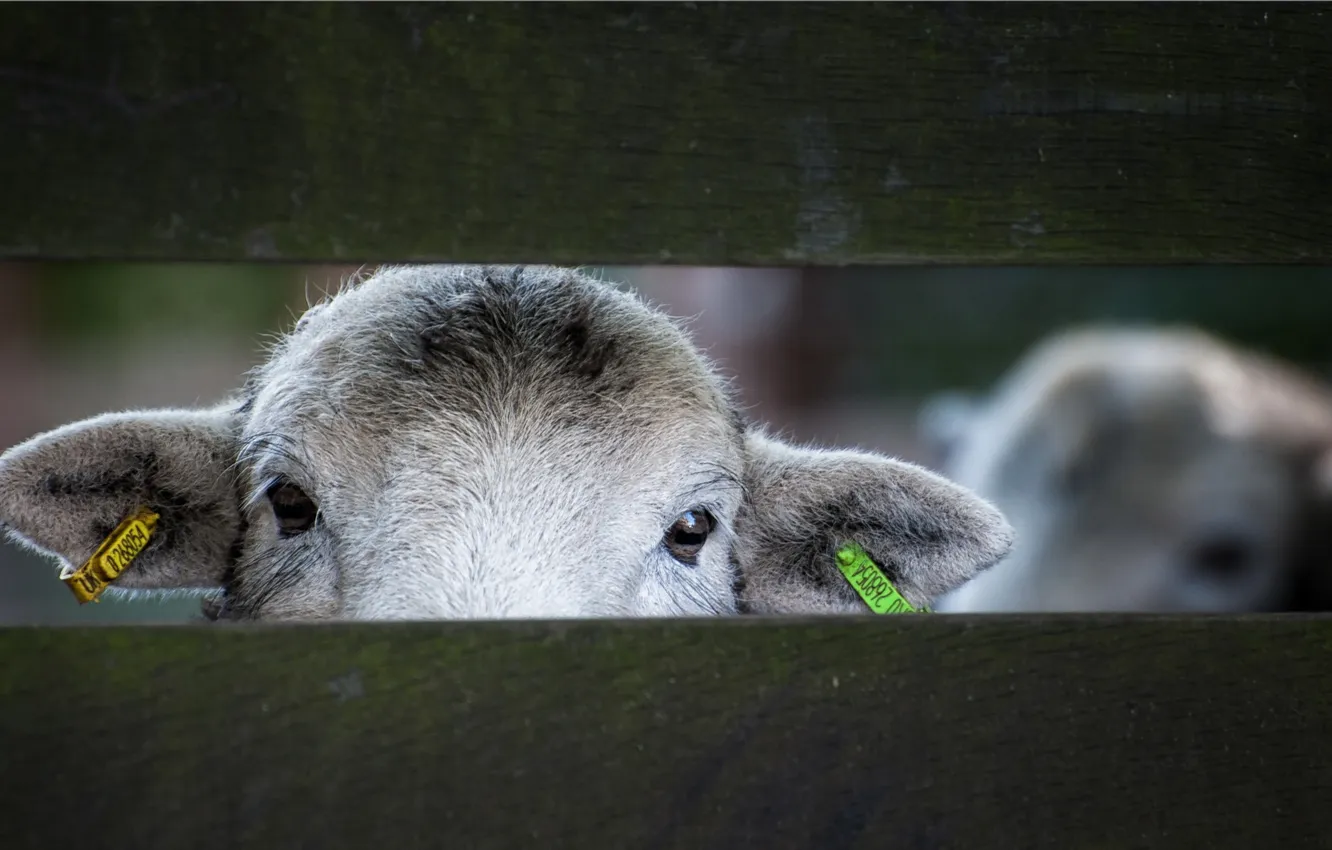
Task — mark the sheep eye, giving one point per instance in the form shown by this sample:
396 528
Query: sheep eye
1222 557
294 511
686 536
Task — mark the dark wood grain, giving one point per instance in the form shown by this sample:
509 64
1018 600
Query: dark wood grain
708 133
1058 731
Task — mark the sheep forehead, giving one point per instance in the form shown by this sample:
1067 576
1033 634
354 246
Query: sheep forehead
472 355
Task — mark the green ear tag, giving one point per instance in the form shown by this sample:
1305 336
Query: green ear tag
870 582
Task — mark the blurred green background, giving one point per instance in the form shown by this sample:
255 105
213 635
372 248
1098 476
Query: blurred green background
842 356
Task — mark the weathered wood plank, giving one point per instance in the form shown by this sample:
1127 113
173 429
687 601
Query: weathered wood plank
741 133
1061 732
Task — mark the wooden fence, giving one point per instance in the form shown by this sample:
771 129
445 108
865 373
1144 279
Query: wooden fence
701 133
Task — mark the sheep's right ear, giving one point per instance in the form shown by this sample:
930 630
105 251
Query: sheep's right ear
63 492
943 422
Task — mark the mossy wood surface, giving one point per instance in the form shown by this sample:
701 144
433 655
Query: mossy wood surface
911 731
709 133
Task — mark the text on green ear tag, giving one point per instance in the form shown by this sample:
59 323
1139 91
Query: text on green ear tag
869 581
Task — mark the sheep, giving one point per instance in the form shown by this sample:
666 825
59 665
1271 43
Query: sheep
477 442
1147 468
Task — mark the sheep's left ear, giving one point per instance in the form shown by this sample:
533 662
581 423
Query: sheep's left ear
928 534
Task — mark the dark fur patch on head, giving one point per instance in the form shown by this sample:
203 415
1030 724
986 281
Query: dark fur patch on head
545 328
589 352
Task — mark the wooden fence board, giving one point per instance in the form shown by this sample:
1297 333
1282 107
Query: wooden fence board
945 731
707 133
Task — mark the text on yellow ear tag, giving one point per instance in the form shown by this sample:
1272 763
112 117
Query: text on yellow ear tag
116 553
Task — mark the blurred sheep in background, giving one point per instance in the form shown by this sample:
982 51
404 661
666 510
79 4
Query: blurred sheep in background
1148 469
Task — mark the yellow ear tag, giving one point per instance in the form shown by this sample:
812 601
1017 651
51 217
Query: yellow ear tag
116 553
873 586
